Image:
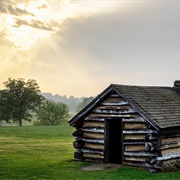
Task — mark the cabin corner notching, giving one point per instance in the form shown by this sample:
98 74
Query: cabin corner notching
131 125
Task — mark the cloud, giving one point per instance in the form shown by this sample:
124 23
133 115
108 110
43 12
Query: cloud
116 46
17 11
42 6
123 32
3 8
8 7
34 24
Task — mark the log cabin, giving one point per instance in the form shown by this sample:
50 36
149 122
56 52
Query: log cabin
131 125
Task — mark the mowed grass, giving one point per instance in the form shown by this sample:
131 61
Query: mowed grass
46 152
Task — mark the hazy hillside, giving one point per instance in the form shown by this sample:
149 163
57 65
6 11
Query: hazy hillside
72 102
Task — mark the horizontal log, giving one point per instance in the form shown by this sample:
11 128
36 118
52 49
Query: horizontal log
94 156
93 135
137 119
78 123
111 115
93 124
132 163
139 154
109 99
94 146
170 150
135 125
168 145
172 139
114 95
114 103
145 131
95 130
114 111
78 144
91 151
77 133
78 154
91 118
124 108
134 137
170 135
140 159
131 148
98 141
134 142
169 156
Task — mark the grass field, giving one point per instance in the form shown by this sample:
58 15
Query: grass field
46 152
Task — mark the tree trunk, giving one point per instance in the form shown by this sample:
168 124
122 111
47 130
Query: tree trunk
20 122
0 122
20 118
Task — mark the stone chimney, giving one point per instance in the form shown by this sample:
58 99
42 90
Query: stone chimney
177 83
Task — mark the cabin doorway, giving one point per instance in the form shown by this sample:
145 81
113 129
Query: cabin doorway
113 141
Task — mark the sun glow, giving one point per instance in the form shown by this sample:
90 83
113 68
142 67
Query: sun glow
38 20
32 20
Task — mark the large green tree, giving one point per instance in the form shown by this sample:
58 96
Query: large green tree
51 113
19 99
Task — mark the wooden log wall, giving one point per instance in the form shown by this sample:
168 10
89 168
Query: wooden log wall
89 137
170 149
140 140
142 145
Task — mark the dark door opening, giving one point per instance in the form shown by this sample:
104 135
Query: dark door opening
113 141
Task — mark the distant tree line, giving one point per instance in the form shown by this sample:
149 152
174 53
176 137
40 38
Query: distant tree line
72 102
20 100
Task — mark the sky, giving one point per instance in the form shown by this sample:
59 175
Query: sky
80 47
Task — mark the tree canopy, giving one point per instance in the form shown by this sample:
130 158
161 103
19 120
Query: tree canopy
51 113
19 99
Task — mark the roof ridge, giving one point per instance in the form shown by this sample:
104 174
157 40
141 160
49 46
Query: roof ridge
143 86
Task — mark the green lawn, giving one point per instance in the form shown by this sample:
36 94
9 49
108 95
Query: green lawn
42 152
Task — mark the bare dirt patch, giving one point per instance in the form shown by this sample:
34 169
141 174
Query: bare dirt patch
101 167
